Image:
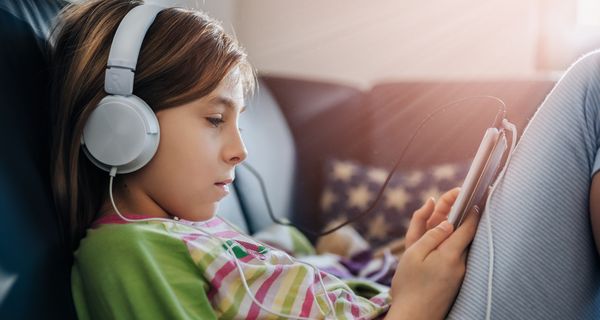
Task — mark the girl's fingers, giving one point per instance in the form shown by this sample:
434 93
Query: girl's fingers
432 239
464 234
442 207
418 222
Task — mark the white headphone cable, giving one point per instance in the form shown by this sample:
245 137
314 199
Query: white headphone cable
315 268
488 309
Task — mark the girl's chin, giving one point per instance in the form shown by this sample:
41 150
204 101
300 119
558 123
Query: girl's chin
197 218
203 213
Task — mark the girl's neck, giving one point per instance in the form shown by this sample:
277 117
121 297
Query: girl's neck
131 200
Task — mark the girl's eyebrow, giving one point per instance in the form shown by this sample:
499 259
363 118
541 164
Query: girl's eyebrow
226 102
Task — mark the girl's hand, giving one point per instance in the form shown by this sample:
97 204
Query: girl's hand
431 270
440 213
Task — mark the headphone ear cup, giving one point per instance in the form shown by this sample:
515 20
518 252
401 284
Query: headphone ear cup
122 132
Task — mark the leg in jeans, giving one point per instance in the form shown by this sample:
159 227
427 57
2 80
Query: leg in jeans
546 264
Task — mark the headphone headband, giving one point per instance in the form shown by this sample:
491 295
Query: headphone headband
125 48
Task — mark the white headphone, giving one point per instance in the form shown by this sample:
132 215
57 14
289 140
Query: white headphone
122 133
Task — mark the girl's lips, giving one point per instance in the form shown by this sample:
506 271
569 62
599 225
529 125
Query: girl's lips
223 188
228 181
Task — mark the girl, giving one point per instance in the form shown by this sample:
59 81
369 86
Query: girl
150 246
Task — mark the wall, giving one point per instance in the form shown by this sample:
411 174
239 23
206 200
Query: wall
361 42
365 41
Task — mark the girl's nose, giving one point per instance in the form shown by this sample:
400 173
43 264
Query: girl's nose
238 159
240 153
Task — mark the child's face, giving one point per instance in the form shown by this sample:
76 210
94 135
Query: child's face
196 151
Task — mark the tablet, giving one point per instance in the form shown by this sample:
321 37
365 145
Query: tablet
481 174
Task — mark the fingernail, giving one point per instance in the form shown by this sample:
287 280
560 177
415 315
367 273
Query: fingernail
445 225
428 202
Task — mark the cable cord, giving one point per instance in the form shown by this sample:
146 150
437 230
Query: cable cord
488 309
498 122
229 247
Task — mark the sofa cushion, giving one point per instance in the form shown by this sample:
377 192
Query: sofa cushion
352 187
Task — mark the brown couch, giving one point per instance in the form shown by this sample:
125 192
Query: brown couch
331 120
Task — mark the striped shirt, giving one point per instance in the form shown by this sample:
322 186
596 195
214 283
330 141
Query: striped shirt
130 270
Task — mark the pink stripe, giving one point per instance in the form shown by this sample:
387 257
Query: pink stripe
378 300
226 233
309 298
324 275
247 258
332 297
211 293
226 269
353 307
191 237
262 292
209 223
248 245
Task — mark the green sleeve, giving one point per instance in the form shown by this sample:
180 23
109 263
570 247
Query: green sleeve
137 271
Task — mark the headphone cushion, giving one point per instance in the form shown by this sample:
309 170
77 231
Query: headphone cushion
122 132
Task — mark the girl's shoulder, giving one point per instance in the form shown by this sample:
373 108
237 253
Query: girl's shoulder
127 247
131 265
109 240
112 237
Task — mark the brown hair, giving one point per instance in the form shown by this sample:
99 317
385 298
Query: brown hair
184 56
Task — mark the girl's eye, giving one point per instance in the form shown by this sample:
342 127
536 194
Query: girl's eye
215 121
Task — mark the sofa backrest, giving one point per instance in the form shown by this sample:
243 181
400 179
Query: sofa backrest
397 108
326 120
34 269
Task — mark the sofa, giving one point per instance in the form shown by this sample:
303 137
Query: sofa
292 128
371 127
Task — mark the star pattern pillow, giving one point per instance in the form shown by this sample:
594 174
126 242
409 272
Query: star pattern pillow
351 188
